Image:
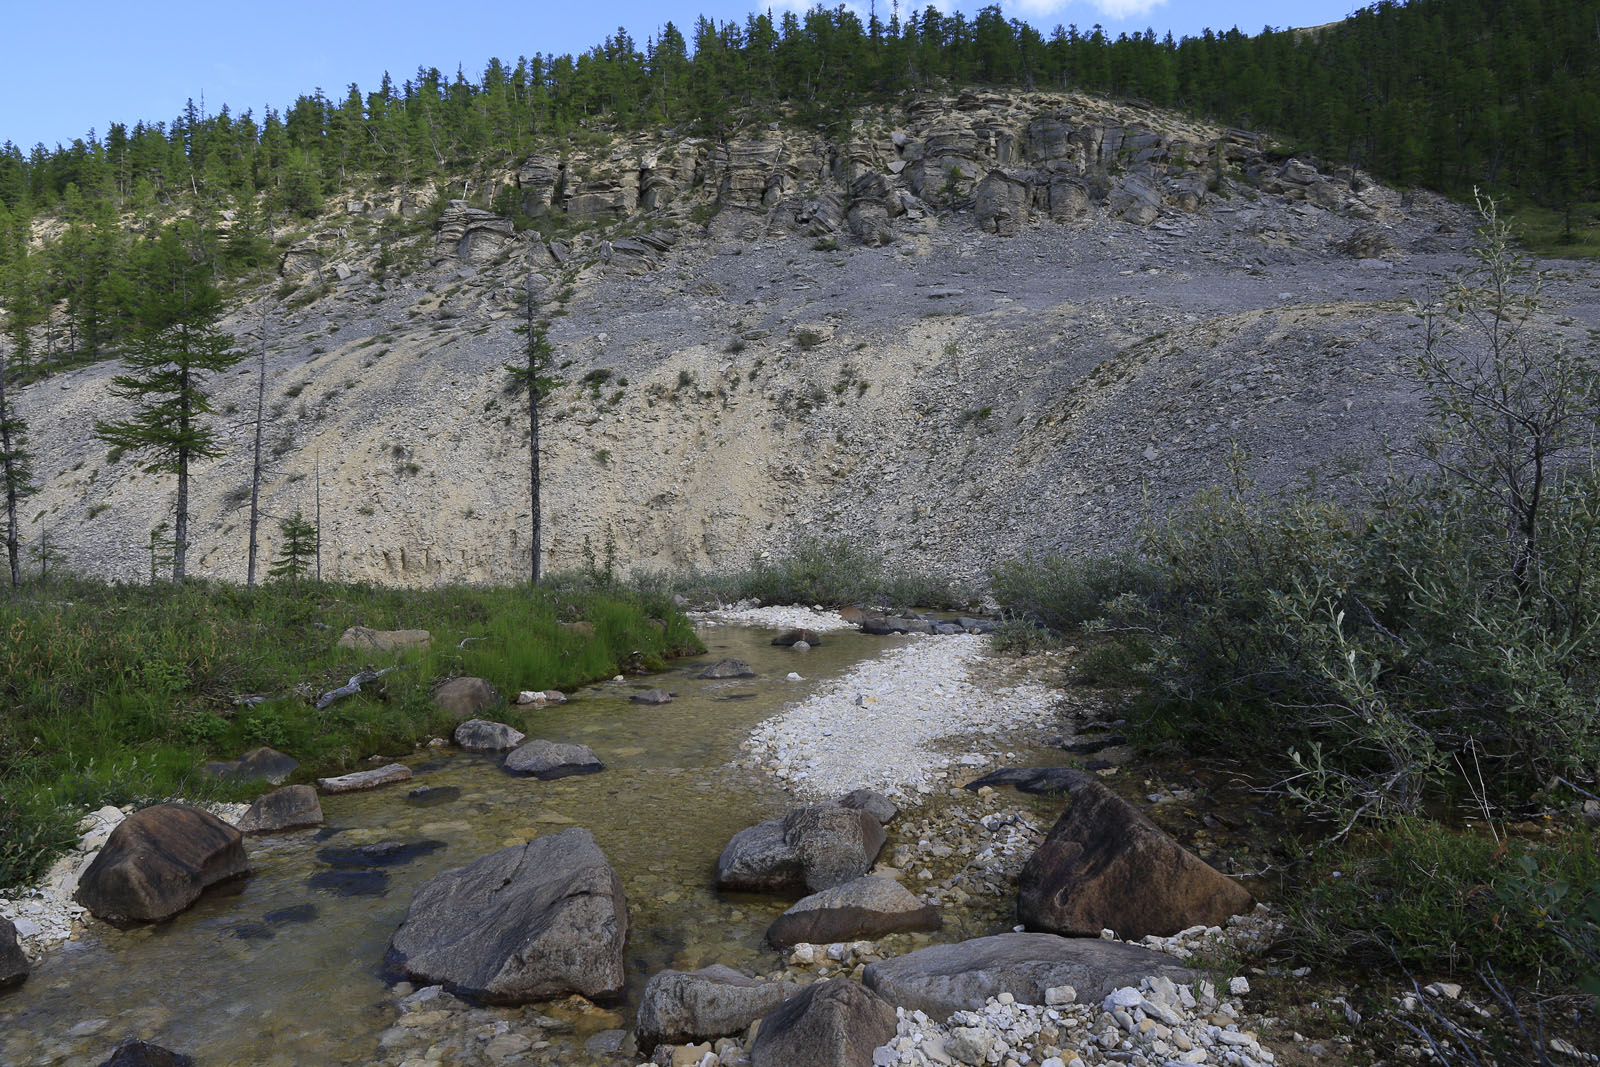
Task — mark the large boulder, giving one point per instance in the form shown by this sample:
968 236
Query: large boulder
809 849
365 639
549 759
356 781
872 802
288 808
133 1052
797 635
481 735
258 764
1105 866
158 861
529 922
865 908
962 977
728 668
463 698
685 1006
13 961
835 1023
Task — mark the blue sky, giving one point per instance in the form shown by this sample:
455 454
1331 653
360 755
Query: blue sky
83 64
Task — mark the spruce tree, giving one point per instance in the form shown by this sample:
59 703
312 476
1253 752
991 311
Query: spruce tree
299 548
16 476
176 346
533 376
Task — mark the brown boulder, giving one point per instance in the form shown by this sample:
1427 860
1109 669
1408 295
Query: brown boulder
1105 866
865 908
288 808
13 961
834 1023
464 698
795 636
158 861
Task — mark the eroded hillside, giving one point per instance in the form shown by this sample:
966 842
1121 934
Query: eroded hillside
976 326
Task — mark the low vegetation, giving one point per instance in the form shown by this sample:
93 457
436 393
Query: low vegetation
119 694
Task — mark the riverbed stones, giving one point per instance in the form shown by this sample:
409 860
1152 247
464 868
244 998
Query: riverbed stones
833 1023
482 735
728 668
866 908
529 922
943 979
365 639
546 760
288 808
809 849
258 764
463 698
133 1052
1104 866
13 961
158 861
685 1006
357 781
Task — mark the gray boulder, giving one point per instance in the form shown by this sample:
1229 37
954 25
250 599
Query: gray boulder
530 922
365 639
809 849
288 808
13 961
1002 204
948 978
463 698
872 802
133 1052
158 861
549 759
728 668
834 1023
481 735
356 781
258 764
652 696
679 1007
865 908
797 635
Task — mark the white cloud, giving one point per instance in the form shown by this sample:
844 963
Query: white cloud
1115 9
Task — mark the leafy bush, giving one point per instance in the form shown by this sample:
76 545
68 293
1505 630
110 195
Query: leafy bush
1062 593
1020 637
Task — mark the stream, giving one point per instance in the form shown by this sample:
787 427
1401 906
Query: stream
285 966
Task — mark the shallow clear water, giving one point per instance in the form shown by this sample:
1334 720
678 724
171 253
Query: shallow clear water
276 970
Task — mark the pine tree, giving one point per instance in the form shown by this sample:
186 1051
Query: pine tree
16 476
533 377
299 548
176 347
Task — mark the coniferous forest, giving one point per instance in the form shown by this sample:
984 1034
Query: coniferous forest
1502 95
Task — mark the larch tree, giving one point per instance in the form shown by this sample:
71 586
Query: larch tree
176 346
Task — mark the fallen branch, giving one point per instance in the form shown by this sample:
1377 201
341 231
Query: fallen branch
350 688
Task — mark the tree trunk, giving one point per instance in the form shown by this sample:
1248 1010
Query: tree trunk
10 475
255 466
533 435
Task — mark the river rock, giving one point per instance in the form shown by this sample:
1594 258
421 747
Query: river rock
549 759
872 802
684 1006
288 808
463 698
1105 866
833 1023
867 908
728 668
652 696
797 635
135 1053
1033 779
158 861
809 849
364 639
13 961
359 780
481 735
948 978
529 922
257 764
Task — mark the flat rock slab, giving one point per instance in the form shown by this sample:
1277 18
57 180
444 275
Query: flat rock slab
548 759
359 780
833 1023
728 668
530 922
158 861
365 639
679 1007
481 735
258 764
289 808
948 978
1037 780
867 908
13 961
651 696
463 698
1104 866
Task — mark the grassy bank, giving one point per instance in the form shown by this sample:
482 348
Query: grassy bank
118 694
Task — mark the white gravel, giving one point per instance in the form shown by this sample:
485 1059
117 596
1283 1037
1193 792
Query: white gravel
877 726
788 617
